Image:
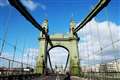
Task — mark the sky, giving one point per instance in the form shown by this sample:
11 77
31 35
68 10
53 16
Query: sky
59 13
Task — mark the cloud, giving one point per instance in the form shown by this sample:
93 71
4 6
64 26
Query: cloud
58 56
33 5
96 35
3 3
89 46
30 4
30 56
7 55
42 6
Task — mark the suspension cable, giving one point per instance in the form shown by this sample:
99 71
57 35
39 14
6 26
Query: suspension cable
50 61
67 62
14 52
9 44
111 37
99 51
109 28
92 44
23 54
88 55
21 8
99 41
6 32
93 13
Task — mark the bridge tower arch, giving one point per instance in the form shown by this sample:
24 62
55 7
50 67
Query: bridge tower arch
69 41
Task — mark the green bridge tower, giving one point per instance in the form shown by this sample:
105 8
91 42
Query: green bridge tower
69 41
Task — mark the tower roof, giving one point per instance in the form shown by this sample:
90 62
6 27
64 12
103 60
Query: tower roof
72 23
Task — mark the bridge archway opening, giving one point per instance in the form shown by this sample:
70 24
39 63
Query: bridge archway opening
59 58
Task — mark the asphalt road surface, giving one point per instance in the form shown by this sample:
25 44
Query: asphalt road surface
59 77
53 77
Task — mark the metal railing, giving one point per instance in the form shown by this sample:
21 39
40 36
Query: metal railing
11 67
101 75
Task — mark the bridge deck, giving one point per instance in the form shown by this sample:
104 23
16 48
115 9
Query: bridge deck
59 77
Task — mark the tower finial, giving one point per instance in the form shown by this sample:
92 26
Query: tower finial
45 25
72 25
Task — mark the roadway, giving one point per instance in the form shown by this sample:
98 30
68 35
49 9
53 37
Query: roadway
51 77
59 77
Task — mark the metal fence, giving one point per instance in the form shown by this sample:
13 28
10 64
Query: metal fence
8 67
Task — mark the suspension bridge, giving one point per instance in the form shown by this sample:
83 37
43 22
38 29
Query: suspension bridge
12 69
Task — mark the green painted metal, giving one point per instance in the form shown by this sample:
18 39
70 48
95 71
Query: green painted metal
69 41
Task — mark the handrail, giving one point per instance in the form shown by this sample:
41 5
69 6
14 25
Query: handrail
1 57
